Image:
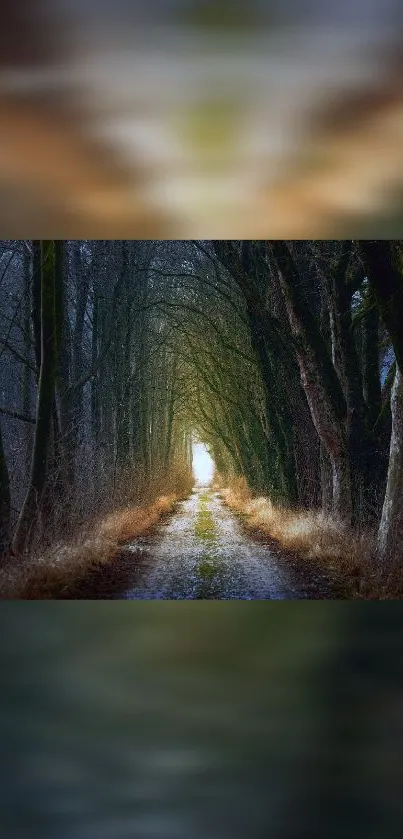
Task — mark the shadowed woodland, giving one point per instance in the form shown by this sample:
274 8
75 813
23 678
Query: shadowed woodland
283 357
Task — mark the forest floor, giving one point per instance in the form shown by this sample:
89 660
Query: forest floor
202 552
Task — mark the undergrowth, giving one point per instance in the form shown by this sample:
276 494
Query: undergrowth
49 573
316 539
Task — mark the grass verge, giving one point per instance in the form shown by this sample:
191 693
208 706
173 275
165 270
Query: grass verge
314 539
204 527
65 566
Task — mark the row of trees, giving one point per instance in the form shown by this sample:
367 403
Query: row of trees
292 355
90 372
285 357
326 326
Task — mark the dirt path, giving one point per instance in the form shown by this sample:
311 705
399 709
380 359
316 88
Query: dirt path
203 553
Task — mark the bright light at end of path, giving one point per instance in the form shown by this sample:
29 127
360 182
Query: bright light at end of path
203 464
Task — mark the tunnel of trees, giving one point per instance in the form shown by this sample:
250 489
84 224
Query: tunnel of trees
284 357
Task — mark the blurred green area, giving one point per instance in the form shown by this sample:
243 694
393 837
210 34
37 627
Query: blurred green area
224 16
185 720
210 126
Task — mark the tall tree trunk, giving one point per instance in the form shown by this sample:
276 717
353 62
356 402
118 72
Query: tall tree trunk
390 536
281 437
377 438
320 382
46 393
371 380
384 263
4 503
83 283
27 372
63 372
123 348
326 479
36 301
106 398
95 389
348 368
170 415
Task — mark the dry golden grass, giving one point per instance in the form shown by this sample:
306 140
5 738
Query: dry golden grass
53 570
313 538
50 575
122 525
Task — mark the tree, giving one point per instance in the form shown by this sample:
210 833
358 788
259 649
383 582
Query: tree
390 536
322 387
385 269
46 392
5 503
